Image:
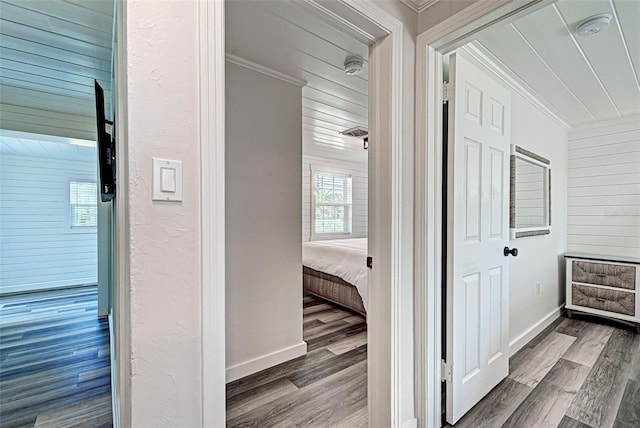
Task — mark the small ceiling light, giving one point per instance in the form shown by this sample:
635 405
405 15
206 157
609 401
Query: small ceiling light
593 24
353 65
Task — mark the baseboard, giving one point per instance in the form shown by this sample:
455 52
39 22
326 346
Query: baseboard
410 423
519 342
115 403
265 361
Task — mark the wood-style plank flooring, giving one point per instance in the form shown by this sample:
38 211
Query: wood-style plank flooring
54 360
578 373
327 387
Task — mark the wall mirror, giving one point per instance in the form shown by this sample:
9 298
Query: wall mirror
530 199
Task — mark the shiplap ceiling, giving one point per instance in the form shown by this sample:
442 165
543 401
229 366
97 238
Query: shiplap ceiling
288 37
580 79
46 146
50 52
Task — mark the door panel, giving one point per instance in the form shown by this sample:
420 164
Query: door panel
477 271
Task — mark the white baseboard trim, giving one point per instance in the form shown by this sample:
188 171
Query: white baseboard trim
265 361
410 423
115 403
519 342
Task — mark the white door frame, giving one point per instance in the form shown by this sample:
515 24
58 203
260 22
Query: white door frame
385 213
431 45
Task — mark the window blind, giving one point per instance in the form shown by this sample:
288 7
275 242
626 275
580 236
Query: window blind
83 203
333 203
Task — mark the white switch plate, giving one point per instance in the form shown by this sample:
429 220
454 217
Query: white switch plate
167 180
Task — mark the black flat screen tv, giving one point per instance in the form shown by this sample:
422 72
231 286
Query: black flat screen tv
106 149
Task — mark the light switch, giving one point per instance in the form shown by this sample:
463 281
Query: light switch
167 180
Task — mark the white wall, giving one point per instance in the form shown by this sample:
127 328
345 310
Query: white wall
604 188
38 248
263 221
359 183
540 258
160 67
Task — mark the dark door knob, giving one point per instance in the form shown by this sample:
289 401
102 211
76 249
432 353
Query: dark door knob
513 251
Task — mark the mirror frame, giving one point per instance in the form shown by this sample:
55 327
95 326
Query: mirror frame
518 152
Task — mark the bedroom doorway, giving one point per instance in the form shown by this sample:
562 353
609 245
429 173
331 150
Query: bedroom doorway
253 75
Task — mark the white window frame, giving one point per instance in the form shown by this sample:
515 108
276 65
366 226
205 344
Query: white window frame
312 214
68 217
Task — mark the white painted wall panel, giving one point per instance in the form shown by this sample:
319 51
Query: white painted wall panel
263 220
38 249
604 188
359 183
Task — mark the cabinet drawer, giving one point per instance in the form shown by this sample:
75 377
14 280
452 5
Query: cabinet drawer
619 276
620 302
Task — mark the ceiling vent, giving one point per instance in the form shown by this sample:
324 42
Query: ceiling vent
357 132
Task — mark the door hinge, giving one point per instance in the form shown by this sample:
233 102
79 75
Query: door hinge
447 91
445 371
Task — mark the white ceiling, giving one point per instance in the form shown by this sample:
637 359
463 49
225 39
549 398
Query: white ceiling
50 52
580 79
45 146
291 39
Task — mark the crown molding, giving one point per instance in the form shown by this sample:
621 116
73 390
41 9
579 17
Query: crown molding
419 6
489 61
234 59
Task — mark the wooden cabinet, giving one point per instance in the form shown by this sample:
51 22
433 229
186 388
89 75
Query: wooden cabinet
604 286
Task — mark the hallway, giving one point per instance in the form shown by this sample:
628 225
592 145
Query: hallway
54 360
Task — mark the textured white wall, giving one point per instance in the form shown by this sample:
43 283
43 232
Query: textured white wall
263 217
164 237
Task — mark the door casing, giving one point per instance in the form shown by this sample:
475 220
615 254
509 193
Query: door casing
431 45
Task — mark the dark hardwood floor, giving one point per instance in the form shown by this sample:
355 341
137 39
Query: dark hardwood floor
327 387
579 373
54 360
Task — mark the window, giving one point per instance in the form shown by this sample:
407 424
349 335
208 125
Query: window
83 204
332 204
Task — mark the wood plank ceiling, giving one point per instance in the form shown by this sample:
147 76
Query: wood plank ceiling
50 52
581 79
290 38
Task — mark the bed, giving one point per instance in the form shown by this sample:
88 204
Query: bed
336 270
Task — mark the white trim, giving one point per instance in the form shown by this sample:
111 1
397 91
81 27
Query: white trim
410 423
212 169
257 364
428 236
616 124
430 45
234 59
519 342
464 26
115 402
333 19
121 307
419 6
486 59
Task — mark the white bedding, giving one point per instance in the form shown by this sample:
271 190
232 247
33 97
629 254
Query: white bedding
344 258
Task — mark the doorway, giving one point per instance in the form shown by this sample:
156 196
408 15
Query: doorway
385 214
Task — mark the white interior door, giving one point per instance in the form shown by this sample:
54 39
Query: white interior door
478 230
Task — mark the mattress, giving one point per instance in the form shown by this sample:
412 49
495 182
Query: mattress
343 258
